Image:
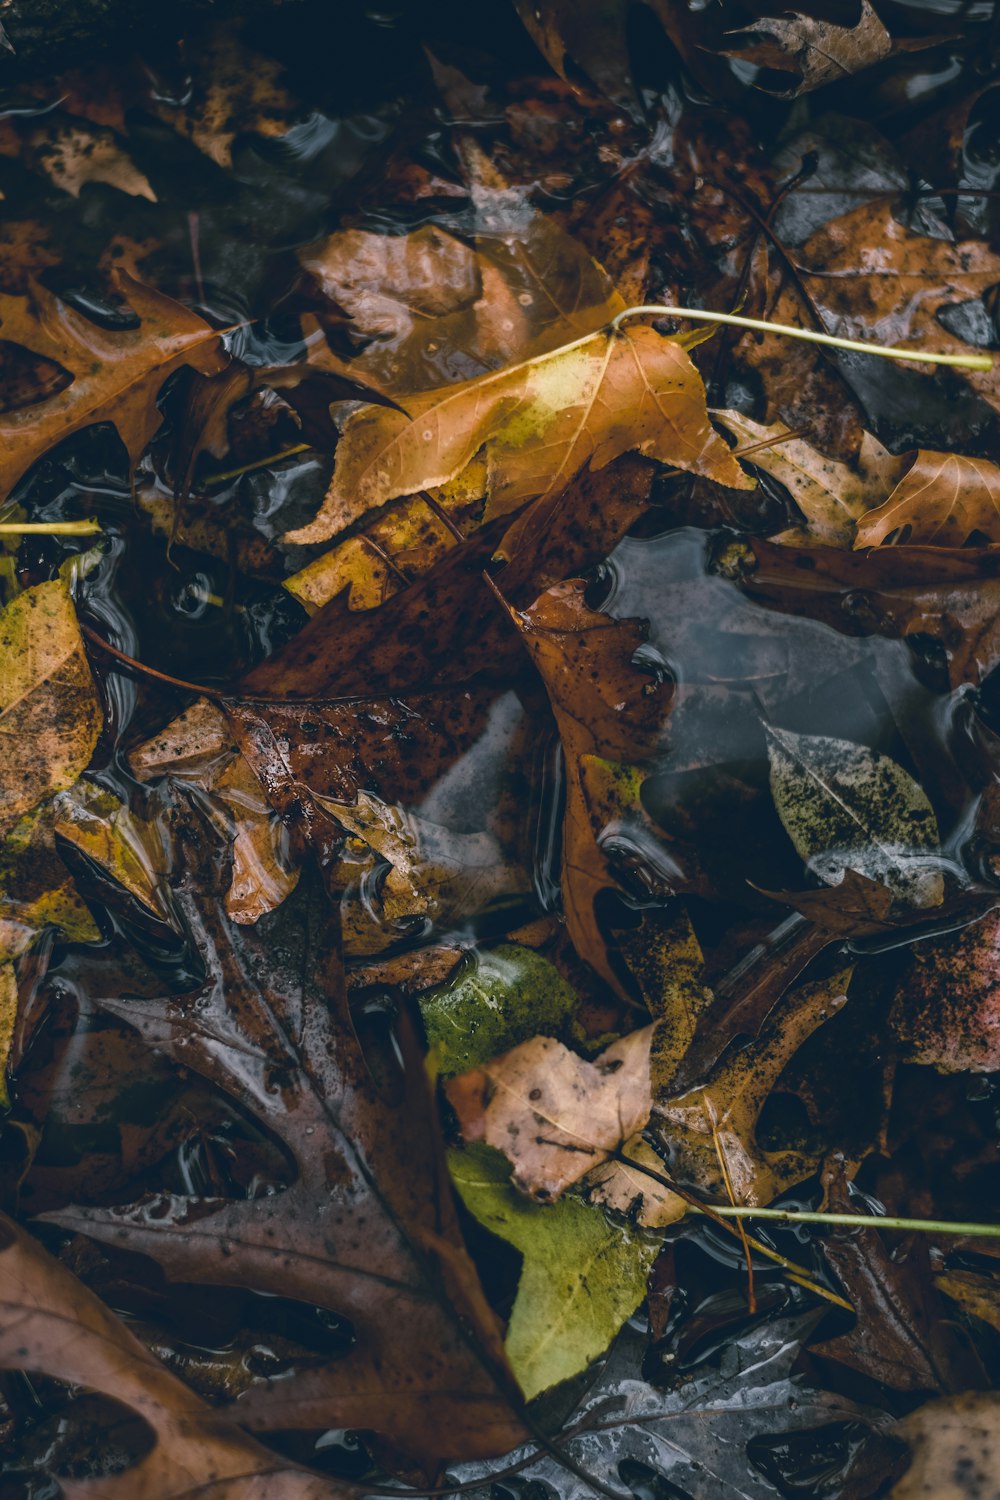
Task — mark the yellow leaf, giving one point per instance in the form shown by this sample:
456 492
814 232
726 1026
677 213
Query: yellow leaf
49 714
543 420
8 1016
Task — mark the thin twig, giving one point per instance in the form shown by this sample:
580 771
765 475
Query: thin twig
50 528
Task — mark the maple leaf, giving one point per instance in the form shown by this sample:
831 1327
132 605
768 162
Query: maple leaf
819 51
367 1229
51 1324
116 376
941 501
47 699
557 1116
612 392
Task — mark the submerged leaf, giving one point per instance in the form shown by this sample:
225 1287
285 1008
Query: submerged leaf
542 421
581 1278
49 714
954 1448
845 807
497 998
947 1009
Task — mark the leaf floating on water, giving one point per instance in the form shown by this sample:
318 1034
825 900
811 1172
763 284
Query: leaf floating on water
581 1278
47 699
845 807
543 421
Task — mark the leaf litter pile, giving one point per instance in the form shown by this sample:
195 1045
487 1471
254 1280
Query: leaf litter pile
500 865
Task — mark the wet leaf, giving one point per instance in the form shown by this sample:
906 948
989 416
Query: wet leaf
36 889
941 501
8 1019
48 700
50 1324
847 808
833 497
75 154
543 421
366 1228
131 850
581 1278
819 51
116 376
947 1009
497 998
954 1448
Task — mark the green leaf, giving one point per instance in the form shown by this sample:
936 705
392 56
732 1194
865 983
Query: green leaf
845 807
495 1000
582 1276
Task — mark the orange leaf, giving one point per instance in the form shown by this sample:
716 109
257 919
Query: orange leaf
941 501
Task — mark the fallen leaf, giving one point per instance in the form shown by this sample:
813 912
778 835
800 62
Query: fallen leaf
51 1324
941 501
976 1293
947 1008
847 808
8 1019
819 51
581 1276
832 496
543 421
497 998
557 1116
366 1228
48 700
131 850
116 375
233 91
954 1448
73 154
36 889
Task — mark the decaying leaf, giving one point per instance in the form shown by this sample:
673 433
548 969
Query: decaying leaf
557 1116
947 1010
942 500
847 808
367 1227
36 889
116 376
581 1278
832 496
542 421
75 153
8 1018
48 700
50 1324
819 51
954 1449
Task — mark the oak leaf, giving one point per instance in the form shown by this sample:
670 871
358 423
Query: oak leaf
51 1324
542 421
50 717
819 51
366 1229
116 376
941 501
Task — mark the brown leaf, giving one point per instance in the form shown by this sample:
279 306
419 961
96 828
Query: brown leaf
947 1009
954 1448
116 376
542 421
606 708
817 50
50 1324
941 501
73 154
367 1228
833 497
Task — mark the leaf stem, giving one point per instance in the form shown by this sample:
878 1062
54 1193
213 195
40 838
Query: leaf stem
50 528
870 1221
225 475
734 320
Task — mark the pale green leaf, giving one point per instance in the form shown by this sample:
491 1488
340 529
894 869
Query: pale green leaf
845 807
582 1276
